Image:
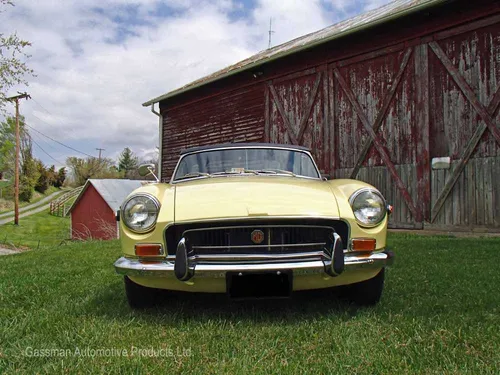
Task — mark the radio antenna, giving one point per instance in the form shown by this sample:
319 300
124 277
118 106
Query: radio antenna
271 32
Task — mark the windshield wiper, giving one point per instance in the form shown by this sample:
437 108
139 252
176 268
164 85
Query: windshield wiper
235 172
277 171
194 174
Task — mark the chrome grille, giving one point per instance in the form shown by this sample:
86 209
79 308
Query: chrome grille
276 239
281 236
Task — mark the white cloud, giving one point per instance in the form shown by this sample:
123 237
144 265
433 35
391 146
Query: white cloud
93 71
341 4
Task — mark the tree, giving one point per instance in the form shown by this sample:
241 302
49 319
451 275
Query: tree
25 189
60 177
83 169
28 166
127 162
8 143
12 67
52 175
43 181
29 173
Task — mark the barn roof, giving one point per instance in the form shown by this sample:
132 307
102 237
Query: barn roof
113 191
386 13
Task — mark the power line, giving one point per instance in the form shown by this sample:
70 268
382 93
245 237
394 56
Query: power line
62 144
41 106
71 148
43 144
52 139
46 153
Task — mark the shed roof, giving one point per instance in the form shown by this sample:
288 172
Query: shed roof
113 191
386 13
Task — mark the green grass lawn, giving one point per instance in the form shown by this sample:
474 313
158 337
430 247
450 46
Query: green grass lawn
39 229
440 313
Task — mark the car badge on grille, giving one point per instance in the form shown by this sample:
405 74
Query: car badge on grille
257 236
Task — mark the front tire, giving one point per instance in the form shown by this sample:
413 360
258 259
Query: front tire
139 296
368 292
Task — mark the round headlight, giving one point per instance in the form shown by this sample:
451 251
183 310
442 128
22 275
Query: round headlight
368 206
140 212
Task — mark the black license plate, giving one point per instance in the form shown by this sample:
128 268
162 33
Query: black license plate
241 285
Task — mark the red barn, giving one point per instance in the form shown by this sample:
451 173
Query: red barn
405 97
93 214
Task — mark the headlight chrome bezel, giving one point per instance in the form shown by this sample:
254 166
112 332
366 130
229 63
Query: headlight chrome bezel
149 228
356 194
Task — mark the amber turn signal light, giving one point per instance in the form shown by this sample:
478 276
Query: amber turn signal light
364 244
148 250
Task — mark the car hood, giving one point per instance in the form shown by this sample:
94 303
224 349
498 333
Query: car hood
253 196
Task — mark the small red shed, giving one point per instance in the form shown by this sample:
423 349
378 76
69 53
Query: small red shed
93 214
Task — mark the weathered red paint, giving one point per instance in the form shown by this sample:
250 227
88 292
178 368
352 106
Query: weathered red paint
92 218
377 105
378 143
485 114
381 115
225 118
423 162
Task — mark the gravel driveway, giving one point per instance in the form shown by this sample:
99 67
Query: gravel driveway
30 209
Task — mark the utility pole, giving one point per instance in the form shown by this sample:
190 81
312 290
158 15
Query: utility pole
100 150
16 167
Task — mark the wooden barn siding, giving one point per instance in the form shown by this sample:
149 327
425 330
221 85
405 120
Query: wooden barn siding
298 111
475 200
225 118
447 119
332 107
89 215
383 111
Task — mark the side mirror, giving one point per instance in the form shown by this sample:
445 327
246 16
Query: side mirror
146 169
326 177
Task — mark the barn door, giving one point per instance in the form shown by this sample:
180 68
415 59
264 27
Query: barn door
296 112
382 117
378 104
464 67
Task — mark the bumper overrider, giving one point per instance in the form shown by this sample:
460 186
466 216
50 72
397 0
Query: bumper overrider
184 267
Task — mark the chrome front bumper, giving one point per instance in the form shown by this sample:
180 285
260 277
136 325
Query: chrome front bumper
134 267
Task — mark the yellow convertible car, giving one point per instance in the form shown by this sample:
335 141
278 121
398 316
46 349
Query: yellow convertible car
253 221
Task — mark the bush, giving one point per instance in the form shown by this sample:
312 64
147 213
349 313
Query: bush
26 189
60 177
7 190
43 181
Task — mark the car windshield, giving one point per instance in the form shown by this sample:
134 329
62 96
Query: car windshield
254 161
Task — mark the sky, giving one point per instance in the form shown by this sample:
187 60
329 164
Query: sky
96 62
